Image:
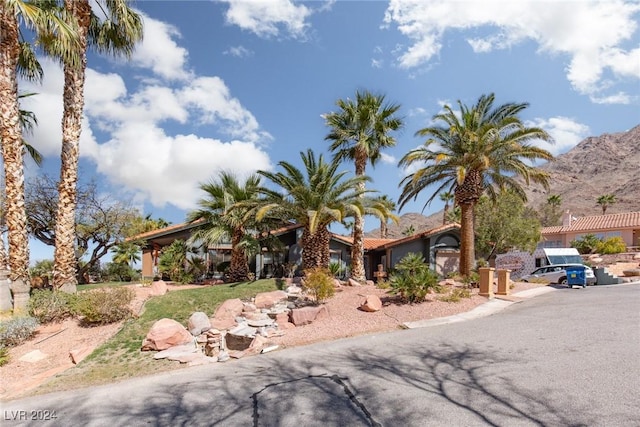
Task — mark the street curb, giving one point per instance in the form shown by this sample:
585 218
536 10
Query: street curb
488 308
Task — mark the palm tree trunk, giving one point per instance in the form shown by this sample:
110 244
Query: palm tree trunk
11 137
357 250
238 267
467 238
315 247
65 262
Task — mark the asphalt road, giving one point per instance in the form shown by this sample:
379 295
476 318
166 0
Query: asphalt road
566 358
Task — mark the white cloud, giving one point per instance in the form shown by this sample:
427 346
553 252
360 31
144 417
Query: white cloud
266 18
238 52
159 52
127 132
168 169
566 132
591 33
387 158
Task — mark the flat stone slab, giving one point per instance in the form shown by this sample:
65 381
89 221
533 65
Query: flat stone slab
33 356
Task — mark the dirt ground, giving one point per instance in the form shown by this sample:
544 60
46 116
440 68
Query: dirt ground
48 352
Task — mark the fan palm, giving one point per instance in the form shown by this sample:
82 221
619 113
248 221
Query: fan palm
224 216
16 56
359 131
605 201
387 206
117 33
314 198
477 150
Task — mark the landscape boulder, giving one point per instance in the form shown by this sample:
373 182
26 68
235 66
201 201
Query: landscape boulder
158 288
305 315
371 304
166 333
198 323
269 299
225 315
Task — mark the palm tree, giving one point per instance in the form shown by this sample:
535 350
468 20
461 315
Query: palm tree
447 197
127 252
554 201
605 201
477 150
359 131
224 212
116 33
315 201
387 206
16 56
409 231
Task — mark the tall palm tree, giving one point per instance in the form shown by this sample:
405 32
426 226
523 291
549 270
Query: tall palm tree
116 33
126 253
315 198
360 130
447 197
605 201
554 200
388 206
477 149
16 56
224 212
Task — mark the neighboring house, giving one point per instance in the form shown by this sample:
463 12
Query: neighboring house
625 225
439 246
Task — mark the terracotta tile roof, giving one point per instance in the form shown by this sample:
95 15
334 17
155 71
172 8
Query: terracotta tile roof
618 221
376 242
166 230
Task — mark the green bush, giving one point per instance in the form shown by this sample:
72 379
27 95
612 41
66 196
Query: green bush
320 282
17 330
587 244
50 306
103 306
4 355
412 279
612 245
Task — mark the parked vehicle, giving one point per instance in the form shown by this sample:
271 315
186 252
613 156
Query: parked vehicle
557 274
523 263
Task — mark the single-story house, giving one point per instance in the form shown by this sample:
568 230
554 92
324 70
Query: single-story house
625 225
439 246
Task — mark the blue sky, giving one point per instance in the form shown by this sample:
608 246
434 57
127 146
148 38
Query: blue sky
241 85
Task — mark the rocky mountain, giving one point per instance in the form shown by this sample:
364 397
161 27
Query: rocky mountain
605 164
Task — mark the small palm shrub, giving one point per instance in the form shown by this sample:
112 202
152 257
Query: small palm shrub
412 279
17 330
319 281
50 306
336 268
103 306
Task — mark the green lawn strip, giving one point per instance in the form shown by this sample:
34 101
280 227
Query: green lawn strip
120 357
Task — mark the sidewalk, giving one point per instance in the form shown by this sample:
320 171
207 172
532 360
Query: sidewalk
494 305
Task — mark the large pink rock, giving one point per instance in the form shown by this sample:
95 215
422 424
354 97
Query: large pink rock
269 299
158 288
166 333
371 304
225 315
306 315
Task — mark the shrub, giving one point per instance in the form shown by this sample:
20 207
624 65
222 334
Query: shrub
336 268
456 295
103 306
612 245
17 330
412 279
320 282
4 355
587 244
50 306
